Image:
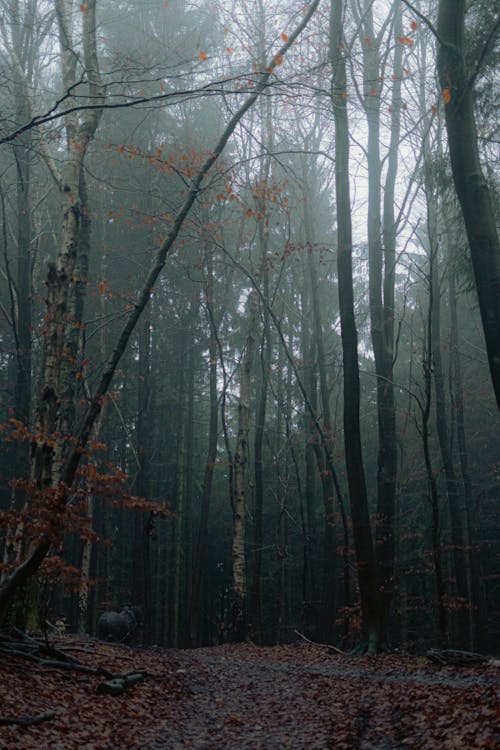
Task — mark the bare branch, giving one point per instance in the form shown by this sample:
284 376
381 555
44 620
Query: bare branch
427 22
486 46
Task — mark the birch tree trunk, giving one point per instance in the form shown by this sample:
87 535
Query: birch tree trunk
66 283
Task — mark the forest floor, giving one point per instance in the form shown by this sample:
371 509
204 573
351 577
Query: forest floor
241 697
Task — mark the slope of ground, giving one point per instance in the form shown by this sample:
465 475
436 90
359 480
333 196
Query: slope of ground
243 697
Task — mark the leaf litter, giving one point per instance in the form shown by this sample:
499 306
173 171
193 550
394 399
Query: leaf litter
244 697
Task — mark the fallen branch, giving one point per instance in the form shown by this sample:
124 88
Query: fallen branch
454 657
56 663
327 646
26 721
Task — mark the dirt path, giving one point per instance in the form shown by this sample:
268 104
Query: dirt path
239 698
242 697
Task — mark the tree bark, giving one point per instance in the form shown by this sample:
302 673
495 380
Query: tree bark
452 488
324 449
265 351
381 292
470 184
432 486
363 543
206 490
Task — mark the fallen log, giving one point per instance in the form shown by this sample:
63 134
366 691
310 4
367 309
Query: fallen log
456 658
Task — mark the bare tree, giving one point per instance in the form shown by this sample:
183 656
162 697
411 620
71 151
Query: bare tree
363 542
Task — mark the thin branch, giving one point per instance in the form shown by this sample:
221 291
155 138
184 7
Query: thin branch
428 23
318 645
486 46
210 89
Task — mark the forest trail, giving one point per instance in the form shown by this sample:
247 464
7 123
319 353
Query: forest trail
241 697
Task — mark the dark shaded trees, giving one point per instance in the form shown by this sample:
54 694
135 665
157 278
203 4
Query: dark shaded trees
457 87
56 469
251 291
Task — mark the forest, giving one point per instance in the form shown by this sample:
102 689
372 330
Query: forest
250 321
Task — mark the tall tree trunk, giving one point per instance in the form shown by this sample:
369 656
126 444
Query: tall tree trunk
283 416
141 581
239 584
21 304
324 450
20 292
363 543
452 488
432 487
472 189
260 416
381 293
470 553
81 276
266 349
309 599
387 475
206 489
180 516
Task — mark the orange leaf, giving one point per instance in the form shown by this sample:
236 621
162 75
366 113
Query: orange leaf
278 60
406 40
446 95
229 50
83 8
434 108
202 56
414 25
284 37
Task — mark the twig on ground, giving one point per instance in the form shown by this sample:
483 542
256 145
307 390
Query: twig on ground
328 646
